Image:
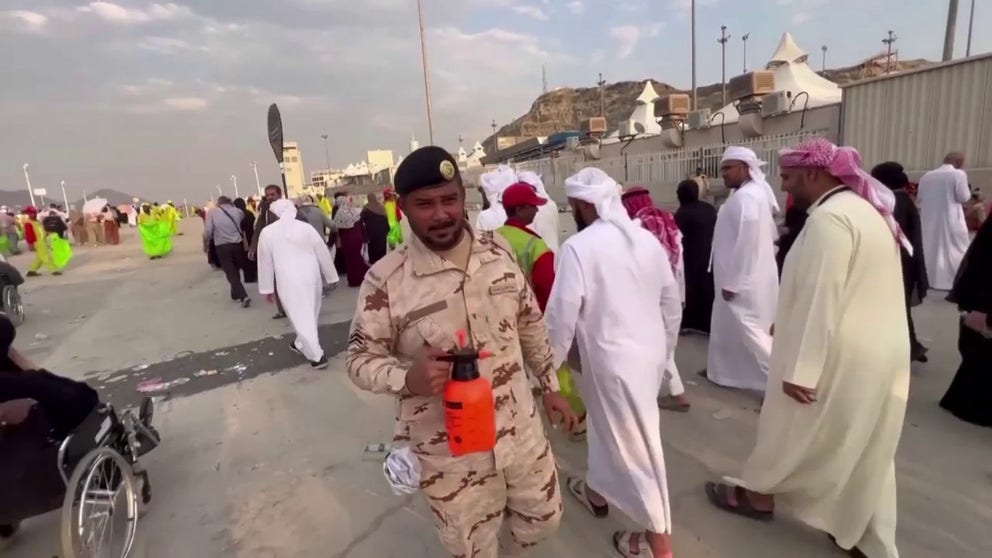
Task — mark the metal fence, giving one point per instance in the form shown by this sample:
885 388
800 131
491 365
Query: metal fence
660 172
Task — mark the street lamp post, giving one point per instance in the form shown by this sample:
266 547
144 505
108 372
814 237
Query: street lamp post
427 78
952 21
234 180
65 198
888 57
27 178
695 98
971 24
824 49
744 39
327 157
258 185
724 37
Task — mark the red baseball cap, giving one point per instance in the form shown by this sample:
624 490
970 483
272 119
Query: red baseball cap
521 193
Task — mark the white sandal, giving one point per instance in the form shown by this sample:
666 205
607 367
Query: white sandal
621 543
577 487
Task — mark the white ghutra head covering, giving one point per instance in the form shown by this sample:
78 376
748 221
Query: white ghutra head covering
494 182
748 157
594 186
534 180
283 209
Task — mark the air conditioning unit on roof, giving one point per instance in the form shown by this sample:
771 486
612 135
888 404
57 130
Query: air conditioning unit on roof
774 104
699 119
751 84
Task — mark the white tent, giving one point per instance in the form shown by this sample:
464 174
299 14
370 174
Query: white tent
793 74
644 111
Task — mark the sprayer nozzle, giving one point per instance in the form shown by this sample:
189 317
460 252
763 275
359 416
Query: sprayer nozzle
485 354
461 338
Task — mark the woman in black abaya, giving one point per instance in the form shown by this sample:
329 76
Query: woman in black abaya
970 396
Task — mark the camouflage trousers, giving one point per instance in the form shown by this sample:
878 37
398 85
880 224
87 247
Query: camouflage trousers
468 507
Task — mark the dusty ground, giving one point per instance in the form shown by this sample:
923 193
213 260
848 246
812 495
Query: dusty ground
264 458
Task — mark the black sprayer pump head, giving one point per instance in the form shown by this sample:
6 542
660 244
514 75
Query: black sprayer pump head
464 359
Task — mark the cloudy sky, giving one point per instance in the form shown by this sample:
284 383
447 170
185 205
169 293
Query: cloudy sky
169 99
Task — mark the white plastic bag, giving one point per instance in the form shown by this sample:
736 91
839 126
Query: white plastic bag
402 470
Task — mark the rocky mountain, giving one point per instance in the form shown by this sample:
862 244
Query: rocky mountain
566 108
20 198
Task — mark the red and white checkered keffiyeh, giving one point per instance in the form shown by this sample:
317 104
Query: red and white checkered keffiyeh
660 223
844 163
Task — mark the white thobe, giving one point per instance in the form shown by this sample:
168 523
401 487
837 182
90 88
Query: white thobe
546 224
841 330
491 219
621 303
743 263
292 254
941 194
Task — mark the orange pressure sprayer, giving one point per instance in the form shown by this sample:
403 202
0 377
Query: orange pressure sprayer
469 411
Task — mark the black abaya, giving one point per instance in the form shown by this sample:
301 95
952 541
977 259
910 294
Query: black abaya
376 231
697 221
970 395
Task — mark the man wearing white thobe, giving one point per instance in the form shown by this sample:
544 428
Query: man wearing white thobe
839 379
615 294
546 223
493 183
292 254
745 276
942 194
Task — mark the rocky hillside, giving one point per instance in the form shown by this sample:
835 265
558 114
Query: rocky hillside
567 108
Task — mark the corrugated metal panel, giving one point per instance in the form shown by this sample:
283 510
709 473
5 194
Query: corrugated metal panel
915 119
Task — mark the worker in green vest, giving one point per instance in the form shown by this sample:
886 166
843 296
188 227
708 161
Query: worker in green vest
521 202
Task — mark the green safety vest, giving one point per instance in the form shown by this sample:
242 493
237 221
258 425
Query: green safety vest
528 247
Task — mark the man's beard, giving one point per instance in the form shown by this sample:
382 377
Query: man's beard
442 246
580 223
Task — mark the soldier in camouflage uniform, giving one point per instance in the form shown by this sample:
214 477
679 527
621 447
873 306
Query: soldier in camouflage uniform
444 279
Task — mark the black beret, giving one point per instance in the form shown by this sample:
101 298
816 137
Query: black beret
428 166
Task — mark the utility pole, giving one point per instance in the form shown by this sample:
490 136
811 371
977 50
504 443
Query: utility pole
824 49
258 185
327 157
602 96
234 180
744 39
724 37
27 179
952 21
695 98
971 25
888 58
495 138
544 79
427 78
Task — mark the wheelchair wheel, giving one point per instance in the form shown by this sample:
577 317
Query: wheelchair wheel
100 510
12 305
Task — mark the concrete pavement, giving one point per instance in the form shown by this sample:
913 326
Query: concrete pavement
263 457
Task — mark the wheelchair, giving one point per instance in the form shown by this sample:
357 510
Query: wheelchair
94 475
10 298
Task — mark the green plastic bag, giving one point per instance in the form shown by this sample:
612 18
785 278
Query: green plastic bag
61 250
570 390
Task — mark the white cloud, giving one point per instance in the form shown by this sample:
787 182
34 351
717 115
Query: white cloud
626 37
801 18
184 103
29 21
654 29
531 11
168 45
576 7
115 13
150 85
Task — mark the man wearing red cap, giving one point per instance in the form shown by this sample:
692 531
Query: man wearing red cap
521 201
33 229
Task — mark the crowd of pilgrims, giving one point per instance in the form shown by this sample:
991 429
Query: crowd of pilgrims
736 280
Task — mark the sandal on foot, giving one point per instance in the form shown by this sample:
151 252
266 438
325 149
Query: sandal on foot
718 495
672 404
854 552
578 434
621 543
577 487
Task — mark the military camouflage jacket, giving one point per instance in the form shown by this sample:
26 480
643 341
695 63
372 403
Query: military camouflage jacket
413 296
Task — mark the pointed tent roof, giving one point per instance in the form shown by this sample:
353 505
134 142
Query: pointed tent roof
787 52
649 95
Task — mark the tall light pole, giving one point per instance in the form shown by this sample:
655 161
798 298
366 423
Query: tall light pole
602 96
427 78
27 178
327 157
495 141
744 39
888 57
219 191
234 180
971 25
724 37
258 185
952 21
695 98
65 198
824 49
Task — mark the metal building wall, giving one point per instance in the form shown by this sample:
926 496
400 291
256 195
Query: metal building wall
917 117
